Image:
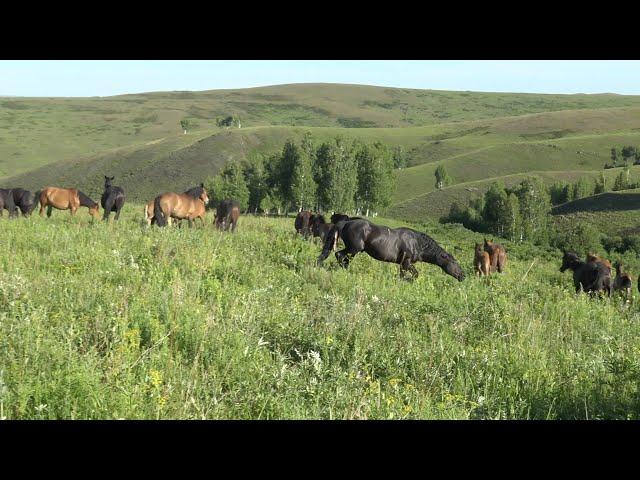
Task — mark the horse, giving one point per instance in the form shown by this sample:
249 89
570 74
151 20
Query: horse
167 206
497 255
481 261
227 214
112 199
594 257
402 246
622 282
66 199
591 277
338 217
6 201
320 228
149 211
25 200
302 221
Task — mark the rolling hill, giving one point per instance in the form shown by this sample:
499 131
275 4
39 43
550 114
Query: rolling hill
479 137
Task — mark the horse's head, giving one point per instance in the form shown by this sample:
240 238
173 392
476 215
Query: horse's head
204 196
107 181
570 260
449 265
94 210
479 248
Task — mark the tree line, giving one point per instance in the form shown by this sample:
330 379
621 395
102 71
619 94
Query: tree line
625 154
338 175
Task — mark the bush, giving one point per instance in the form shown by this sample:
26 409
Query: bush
580 238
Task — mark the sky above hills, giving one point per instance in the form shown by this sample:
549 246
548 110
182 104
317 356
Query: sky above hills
82 78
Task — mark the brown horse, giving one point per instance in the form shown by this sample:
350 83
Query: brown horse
482 261
497 254
595 258
66 199
170 205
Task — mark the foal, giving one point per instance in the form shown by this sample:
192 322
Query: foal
622 283
497 254
482 261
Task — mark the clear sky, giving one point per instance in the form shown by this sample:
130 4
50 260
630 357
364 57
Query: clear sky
80 78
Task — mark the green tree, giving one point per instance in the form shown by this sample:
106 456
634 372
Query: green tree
628 152
303 185
582 188
255 179
185 124
495 204
620 182
399 157
442 177
375 177
229 183
614 156
558 193
335 171
512 219
601 184
535 205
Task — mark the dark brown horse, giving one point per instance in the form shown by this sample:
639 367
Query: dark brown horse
170 205
302 223
6 201
66 199
227 214
590 277
497 255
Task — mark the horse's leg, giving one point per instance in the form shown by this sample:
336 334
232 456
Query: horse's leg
41 209
108 205
343 258
190 222
49 209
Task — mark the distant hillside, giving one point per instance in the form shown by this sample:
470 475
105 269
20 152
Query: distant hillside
478 137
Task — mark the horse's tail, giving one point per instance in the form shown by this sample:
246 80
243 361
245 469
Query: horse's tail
10 204
330 240
158 214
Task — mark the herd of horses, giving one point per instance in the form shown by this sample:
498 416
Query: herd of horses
402 246
162 210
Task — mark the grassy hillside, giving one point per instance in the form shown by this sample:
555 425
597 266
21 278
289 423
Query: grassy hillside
611 213
120 321
477 136
437 203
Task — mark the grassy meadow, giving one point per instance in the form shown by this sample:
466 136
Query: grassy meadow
105 321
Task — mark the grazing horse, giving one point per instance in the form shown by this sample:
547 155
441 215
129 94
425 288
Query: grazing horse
170 205
227 215
302 223
112 199
481 261
497 255
25 200
66 199
588 276
149 211
6 201
403 246
622 282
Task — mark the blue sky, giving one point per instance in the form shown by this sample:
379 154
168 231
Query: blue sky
82 78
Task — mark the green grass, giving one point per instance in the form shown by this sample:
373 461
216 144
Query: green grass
120 321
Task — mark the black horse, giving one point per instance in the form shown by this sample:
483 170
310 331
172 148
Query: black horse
6 201
112 199
339 217
227 214
403 246
25 200
591 277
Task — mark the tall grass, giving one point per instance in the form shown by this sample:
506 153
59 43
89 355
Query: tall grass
121 321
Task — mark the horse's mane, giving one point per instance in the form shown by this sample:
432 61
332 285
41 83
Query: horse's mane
428 245
85 201
195 192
